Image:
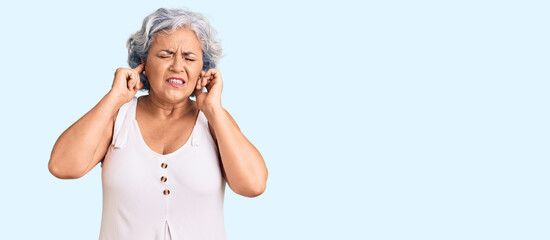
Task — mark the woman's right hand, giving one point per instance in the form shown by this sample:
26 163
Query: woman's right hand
127 83
84 144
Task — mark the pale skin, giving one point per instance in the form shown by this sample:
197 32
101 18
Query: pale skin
166 116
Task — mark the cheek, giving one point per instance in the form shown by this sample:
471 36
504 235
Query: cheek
195 72
193 81
153 68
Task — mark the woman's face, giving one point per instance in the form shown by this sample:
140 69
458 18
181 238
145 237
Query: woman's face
178 55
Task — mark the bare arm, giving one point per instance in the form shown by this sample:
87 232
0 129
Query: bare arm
243 165
84 144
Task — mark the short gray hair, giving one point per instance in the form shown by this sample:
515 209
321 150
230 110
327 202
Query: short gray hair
168 20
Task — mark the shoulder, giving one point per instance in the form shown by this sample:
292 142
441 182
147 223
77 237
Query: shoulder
124 108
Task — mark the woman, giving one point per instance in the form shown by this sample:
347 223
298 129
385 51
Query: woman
165 158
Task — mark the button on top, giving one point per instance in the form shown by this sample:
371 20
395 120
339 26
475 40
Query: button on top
166 191
163 178
164 165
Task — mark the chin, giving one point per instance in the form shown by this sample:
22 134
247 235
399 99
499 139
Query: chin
175 97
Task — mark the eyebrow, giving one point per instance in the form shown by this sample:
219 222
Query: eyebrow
170 52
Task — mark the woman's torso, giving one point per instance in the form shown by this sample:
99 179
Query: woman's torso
148 195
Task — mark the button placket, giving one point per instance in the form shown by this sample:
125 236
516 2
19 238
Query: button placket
163 178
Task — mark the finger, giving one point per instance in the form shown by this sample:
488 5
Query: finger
214 80
136 79
132 81
202 74
203 81
207 73
140 84
206 76
128 79
212 73
198 83
140 67
210 76
198 93
209 85
131 85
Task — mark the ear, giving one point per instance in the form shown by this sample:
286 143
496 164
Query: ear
144 65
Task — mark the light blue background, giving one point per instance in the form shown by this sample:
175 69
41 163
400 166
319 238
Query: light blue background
377 120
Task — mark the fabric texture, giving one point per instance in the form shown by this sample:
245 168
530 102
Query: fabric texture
148 195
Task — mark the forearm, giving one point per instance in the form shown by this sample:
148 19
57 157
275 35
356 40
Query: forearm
75 148
243 164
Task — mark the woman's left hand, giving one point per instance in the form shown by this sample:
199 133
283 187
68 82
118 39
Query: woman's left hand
212 80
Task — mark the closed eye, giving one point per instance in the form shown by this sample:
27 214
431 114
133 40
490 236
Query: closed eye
188 59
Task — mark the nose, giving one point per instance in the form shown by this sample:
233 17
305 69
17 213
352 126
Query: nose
178 64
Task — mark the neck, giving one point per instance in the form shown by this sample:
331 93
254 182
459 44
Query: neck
165 110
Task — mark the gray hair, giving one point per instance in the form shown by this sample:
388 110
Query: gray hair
168 20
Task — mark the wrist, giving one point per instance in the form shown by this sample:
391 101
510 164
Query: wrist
114 98
211 111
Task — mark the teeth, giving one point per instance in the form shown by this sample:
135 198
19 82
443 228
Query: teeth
175 81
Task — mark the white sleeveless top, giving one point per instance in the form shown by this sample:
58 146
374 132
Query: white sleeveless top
150 196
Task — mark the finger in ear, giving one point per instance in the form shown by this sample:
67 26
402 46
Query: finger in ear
198 84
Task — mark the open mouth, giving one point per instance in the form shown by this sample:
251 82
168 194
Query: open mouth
176 82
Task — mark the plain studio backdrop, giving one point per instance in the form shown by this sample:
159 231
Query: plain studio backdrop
377 120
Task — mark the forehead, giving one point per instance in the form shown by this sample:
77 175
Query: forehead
181 39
